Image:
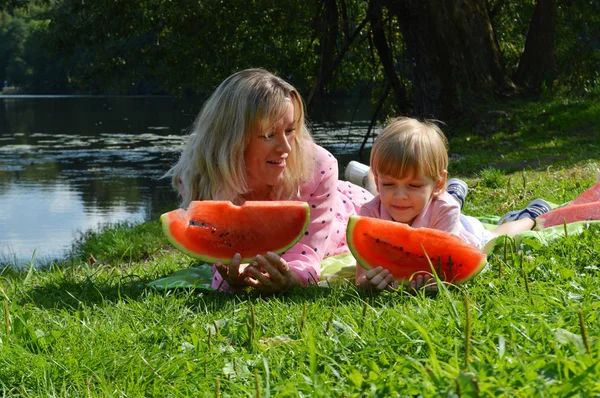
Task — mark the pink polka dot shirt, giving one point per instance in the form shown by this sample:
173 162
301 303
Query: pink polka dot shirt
331 203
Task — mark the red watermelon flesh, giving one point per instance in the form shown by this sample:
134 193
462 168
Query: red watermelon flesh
216 230
590 195
404 250
569 214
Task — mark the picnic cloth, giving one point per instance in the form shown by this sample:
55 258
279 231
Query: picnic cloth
342 267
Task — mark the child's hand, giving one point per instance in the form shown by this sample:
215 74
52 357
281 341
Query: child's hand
379 278
423 281
231 273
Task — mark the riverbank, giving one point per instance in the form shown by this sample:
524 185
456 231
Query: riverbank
528 326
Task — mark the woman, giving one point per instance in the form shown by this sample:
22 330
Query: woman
250 142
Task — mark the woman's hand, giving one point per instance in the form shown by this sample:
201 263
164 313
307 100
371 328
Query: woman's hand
270 273
231 273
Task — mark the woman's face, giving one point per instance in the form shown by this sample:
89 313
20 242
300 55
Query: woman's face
266 155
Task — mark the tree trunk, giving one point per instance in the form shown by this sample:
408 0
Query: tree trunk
456 62
386 57
331 57
536 66
329 26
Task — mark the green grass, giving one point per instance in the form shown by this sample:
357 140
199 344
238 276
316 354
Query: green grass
532 329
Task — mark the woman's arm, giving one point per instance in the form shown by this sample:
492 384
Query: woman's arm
326 230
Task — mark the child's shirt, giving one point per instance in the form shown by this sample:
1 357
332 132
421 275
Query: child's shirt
331 202
441 213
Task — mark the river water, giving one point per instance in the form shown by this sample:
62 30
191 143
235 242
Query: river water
71 164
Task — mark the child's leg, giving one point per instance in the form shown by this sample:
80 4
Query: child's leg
512 228
458 189
361 175
533 209
370 184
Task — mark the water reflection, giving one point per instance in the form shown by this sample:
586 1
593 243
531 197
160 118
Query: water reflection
70 164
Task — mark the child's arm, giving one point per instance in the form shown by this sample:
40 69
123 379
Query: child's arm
376 279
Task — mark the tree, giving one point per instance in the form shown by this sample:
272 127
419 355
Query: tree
12 37
455 60
436 57
537 64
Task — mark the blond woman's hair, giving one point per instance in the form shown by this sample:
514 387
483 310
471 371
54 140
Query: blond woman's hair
407 146
249 102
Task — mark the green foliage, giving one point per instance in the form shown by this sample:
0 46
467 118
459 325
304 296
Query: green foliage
517 135
183 48
161 47
491 177
120 243
86 331
577 41
26 58
531 328
578 47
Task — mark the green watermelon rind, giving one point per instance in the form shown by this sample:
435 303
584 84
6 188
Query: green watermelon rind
165 223
349 231
351 223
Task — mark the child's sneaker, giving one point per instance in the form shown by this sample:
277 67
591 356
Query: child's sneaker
357 173
534 209
458 189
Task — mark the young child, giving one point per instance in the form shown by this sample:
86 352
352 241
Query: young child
409 163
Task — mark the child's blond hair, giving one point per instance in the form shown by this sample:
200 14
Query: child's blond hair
407 146
248 102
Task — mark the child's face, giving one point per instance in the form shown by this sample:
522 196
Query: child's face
405 198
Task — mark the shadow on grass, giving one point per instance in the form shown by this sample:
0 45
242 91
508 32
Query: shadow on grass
526 136
67 293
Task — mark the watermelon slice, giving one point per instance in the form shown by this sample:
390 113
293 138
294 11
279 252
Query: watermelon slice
589 195
214 231
403 250
571 213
